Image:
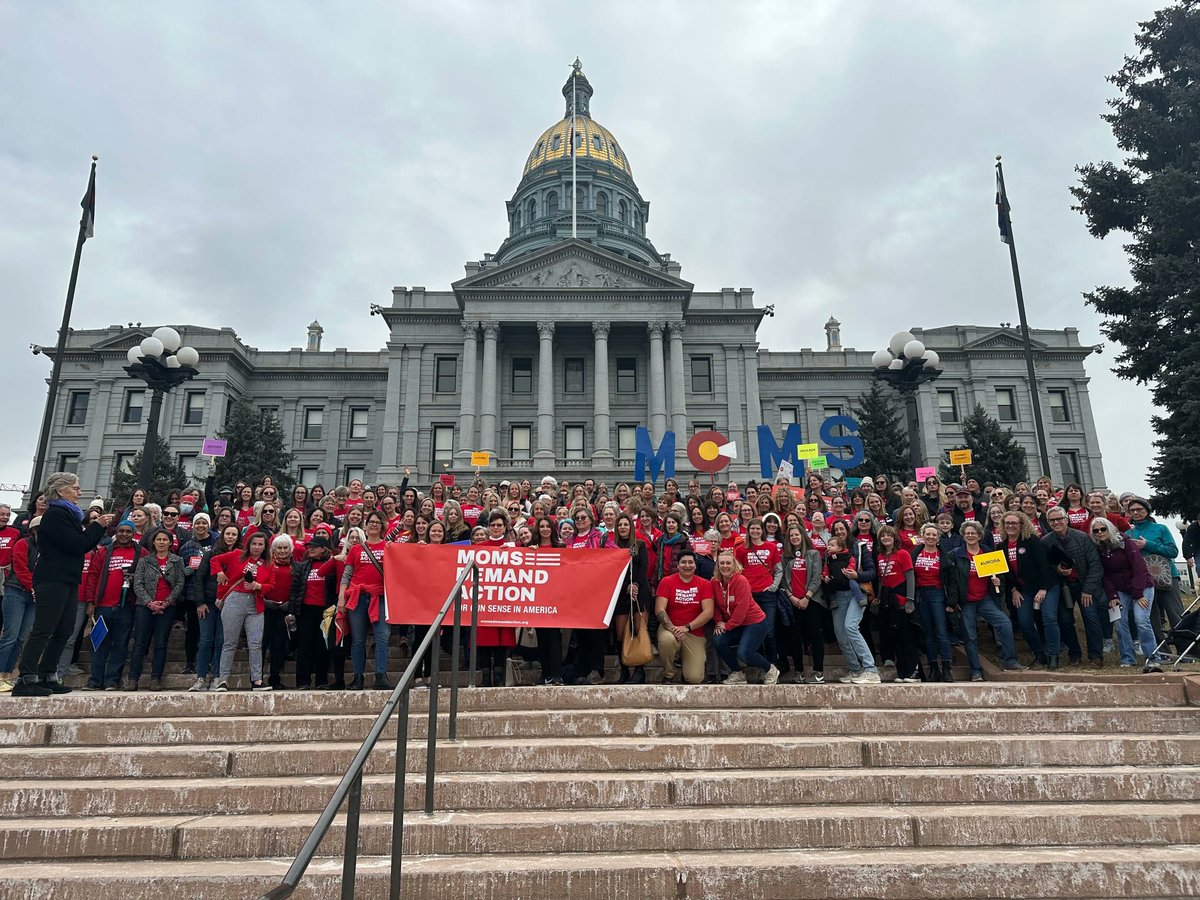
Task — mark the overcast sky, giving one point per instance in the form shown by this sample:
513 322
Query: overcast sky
265 164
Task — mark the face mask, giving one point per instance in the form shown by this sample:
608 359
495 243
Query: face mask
185 509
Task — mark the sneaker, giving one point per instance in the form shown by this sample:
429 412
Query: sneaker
220 687
849 679
260 687
129 685
737 678
977 676
818 678
771 676
197 685
909 680
156 684
1015 667
188 670
92 687
25 688
555 682
112 687
57 687
1108 646
866 677
5 686
75 669
593 677
889 662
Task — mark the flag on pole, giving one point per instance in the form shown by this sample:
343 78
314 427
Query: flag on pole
89 205
1002 210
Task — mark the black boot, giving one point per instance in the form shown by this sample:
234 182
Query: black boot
639 675
1052 662
498 679
382 683
486 677
947 675
356 684
624 679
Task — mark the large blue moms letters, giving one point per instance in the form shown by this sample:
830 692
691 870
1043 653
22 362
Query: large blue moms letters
657 460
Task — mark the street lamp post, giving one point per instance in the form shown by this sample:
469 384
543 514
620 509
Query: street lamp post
163 364
906 365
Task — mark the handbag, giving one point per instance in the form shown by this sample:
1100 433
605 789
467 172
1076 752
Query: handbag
1159 568
635 647
527 637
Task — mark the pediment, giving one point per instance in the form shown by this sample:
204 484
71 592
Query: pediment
124 339
572 265
1002 339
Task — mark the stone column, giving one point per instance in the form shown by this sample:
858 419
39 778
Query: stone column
389 469
753 403
658 400
97 425
678 386
545 407
331 437
733 399
467 411
412 406
603 439
487 415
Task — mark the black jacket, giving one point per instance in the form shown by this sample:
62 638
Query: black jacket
960 516
956 587
1034 572
62 543
300 572
947 566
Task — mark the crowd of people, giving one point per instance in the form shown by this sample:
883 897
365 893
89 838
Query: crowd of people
732 582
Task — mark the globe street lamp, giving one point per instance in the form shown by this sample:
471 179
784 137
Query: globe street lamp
163 365
906 365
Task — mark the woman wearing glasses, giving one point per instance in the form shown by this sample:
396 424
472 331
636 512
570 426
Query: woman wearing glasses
1031 585
1127 584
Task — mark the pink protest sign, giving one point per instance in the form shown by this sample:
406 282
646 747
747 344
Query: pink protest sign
925 472
214 447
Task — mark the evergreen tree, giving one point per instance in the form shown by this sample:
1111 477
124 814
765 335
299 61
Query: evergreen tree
883 433
166 475
1153 197
256 448
995 454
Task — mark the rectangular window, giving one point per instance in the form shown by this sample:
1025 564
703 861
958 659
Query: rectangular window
68 462
626 375
193 408
787 415
521 440
77 408
573 375
1006 404
314 418
1059 411
702 375
626 441
187 462
1068 460
135 401
446 375
573 441
522 376
703 426
355 473
829 411
947 407
443 445
268 411
358 422
307 475
123 462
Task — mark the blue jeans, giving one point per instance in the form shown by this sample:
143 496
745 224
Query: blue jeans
1095 617
147 625
1141 618
360 624
739 648
846 616
931 607
108 660
989 610
212 639
18 622
1027 619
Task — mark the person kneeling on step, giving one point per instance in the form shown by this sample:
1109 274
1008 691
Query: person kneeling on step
683 605
741 625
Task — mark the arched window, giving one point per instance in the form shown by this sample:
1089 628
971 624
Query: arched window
602 203
552 203
531 210
637 220
555 142
580 200
622 212
596 142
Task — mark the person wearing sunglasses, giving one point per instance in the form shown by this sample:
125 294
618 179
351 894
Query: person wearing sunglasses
1032 587
1077 565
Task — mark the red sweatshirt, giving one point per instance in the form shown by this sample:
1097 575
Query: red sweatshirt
234 567
734 604
20 564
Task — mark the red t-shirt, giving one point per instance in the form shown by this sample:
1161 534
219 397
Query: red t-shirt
471 513
799 583
928 567
8 540
245 517
314 587
119 558
684 600
758 564
892 566
1079 519
819 544
977 588
162 589
1011 551
909 538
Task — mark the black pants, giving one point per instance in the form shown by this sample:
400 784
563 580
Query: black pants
550 652
185 611
312 658
807 628
53 625
275 642
591 644
900 627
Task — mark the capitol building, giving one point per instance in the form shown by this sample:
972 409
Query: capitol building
550 352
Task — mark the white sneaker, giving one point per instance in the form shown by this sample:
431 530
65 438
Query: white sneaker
908 681
198 685
848 679
739 678
772 676
6 686
865 677
817 678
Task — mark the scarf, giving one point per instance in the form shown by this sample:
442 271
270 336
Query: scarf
70 507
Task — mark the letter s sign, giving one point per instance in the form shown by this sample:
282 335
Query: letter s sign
851 442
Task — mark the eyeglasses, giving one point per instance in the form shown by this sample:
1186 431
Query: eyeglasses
1099 531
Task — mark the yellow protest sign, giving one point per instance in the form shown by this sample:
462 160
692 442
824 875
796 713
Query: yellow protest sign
988 564
960 457
481 458
808 451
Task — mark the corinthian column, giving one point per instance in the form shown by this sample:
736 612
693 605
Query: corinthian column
545 407
603 438
658 399
487 416
678 385
467 412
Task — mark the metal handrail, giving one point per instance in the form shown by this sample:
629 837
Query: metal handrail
350 787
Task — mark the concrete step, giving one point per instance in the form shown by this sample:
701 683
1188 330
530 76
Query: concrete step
641 754
667 829
1097 872
147 796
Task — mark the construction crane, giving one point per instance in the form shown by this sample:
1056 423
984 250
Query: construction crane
13 488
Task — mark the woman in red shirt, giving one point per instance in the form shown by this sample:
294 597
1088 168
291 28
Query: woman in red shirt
241 577
741 625
361 595
897 603
933 568
730 539
157 585
980 598
762 567
1078 515
591 641
275 607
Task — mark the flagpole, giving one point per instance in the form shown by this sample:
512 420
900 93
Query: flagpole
85 225
1006 220
574 188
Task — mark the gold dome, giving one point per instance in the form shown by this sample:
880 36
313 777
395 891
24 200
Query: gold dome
597 144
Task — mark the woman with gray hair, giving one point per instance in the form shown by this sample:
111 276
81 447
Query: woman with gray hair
62 544
1128 584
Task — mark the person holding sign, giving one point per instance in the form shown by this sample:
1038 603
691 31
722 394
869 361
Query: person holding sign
1032 586
979 597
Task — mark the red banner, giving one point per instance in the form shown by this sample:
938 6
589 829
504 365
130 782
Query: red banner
539 587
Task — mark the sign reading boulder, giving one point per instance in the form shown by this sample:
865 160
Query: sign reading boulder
534 587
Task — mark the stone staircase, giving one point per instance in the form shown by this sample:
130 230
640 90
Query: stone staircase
931 790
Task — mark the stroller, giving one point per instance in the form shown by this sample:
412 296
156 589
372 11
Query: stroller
1185 631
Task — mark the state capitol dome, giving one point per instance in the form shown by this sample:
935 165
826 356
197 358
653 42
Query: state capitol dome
609 209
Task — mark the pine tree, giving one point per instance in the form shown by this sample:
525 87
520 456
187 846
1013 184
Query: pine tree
1153 197
166 475
996 456
883 433
256 448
